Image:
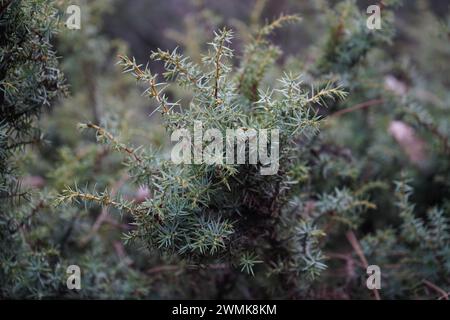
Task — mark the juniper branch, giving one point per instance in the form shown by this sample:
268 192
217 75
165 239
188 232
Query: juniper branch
103 133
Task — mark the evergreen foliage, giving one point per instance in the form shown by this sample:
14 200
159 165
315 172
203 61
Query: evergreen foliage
29 80
207 212
363 174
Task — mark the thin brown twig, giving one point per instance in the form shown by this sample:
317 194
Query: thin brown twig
343 256
159 269
218 69
116 224
442 292
359 252
121 253
359 106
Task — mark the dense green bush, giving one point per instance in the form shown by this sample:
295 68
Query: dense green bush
363 174
30 79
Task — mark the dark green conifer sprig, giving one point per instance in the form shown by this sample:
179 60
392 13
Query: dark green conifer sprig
259 54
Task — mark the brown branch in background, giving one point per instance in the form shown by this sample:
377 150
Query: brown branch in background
345 257
121 253
92 91
159 269
125 227
256 13
359 252
18 144
442 292
357 247
359 106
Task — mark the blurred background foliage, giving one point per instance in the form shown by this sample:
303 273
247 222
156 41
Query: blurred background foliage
387 143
